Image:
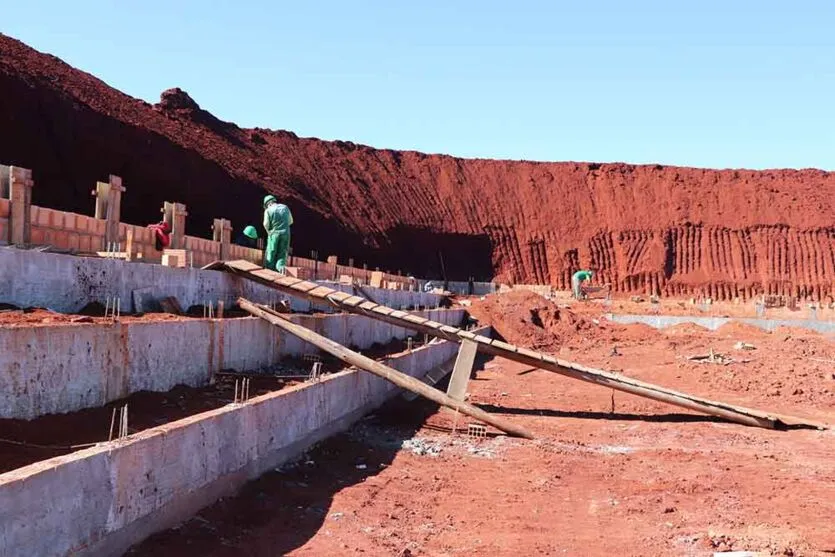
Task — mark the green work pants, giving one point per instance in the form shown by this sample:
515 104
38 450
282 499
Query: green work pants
275 256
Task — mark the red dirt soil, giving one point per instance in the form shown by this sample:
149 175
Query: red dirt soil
610 474
670 230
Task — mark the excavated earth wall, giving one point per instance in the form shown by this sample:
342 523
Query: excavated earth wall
651 228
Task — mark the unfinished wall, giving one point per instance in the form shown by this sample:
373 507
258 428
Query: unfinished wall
101 500
63 368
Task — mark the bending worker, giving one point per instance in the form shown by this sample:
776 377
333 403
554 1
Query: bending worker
577 280
277 222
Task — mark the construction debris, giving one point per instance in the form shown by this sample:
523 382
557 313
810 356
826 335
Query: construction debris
711 358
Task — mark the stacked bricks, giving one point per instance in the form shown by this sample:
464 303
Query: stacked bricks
66 230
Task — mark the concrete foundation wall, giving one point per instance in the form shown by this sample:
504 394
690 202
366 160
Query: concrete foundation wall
64 368
66 283
101 500
713 323
462 287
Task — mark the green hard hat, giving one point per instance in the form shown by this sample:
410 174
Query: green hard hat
269 198
250 232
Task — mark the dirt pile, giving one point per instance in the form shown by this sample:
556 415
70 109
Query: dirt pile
672 230
527 319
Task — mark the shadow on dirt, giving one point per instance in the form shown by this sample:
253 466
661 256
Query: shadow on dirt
549 413
284 509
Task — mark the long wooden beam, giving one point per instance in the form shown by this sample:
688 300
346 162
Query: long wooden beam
359 305
389 374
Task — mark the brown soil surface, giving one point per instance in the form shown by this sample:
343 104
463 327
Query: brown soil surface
674 230
610 474
35 317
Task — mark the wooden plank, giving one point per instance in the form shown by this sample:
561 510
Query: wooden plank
503 345
415 319
604 378
462 371
353 301
143 300
529 353
389 374
171 305
339 296
243 265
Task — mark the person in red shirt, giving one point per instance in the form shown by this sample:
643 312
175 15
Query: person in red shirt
162 235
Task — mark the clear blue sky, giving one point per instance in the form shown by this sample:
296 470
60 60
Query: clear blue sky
732 83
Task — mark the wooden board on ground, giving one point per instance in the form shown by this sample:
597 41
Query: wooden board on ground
143 300
171 305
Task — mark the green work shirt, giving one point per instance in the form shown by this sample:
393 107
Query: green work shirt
277 218
580 276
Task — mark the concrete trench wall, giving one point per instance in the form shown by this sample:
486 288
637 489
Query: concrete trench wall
101 500
64 368
66 283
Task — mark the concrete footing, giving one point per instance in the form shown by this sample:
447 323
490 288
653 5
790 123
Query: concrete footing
101 500
63 368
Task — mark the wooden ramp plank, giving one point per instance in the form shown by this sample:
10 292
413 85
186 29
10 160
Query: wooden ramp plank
546 362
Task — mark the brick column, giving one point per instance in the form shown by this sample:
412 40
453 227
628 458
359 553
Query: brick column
222 232
175 215
20 194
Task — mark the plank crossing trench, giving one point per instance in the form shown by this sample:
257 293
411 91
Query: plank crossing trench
357 304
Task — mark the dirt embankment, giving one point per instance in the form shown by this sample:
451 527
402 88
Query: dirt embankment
673 230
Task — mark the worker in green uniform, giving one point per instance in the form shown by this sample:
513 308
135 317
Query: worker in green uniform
277 222
577 279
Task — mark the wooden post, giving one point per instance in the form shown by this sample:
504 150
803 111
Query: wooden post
5 178
114 212
20 214
222 233
129 244
363 362
109 207
457 388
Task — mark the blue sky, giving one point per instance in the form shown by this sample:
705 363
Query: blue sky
716 84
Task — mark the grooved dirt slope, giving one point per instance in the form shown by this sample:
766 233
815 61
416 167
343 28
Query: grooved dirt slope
673 230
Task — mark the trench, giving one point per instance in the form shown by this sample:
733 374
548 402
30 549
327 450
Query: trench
24 442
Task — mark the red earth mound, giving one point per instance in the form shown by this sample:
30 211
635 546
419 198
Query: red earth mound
670 230
527 319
